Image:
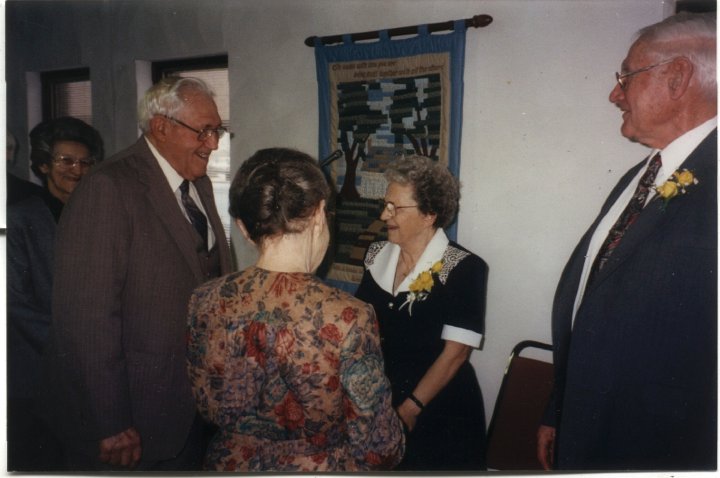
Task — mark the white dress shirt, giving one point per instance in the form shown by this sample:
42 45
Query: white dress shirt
175 180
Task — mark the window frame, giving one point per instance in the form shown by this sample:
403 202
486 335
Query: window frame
49 80
163 68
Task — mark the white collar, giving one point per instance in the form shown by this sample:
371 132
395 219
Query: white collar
173 178
678 151
383 267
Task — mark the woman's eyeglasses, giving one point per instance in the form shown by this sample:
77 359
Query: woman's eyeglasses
70 162
391 208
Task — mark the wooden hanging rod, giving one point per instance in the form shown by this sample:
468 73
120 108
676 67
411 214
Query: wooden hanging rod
478 21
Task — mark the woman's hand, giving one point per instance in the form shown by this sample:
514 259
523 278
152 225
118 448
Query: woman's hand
439 374
409 412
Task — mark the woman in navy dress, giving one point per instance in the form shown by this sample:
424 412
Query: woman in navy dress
429 295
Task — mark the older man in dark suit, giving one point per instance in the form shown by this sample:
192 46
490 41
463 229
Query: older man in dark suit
635 312
139 234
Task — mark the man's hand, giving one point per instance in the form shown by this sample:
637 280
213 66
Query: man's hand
122 449
546 446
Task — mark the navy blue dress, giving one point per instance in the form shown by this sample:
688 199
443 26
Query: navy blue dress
450 432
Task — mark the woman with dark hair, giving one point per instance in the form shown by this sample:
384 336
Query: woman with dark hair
288 368
429 294
63 151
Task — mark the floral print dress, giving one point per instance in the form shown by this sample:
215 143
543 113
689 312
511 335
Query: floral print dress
291 372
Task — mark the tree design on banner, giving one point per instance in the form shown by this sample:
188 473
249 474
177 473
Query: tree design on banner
380 101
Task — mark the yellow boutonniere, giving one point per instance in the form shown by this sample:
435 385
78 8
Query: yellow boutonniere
677 184
422 285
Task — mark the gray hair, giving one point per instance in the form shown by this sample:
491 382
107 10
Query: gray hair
11 147
692 35
165 98
436 190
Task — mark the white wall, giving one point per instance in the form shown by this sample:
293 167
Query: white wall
540 148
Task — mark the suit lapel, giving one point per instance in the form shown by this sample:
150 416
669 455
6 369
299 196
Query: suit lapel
165 207
566 292
573 273
654 216
204 188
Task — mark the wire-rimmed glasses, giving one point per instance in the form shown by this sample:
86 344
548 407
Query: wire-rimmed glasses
620 77
70 162
203 134
391 208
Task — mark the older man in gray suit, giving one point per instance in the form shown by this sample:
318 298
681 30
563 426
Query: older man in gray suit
139 234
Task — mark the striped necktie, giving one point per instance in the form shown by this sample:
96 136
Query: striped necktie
628 216
197 218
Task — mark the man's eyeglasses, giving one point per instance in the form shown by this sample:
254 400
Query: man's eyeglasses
391 208
70 162
621 78
203 134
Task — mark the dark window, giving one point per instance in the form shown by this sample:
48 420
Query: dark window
696 6
67 93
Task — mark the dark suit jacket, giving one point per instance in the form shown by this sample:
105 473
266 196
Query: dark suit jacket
126 264
19 189
31 234
636 378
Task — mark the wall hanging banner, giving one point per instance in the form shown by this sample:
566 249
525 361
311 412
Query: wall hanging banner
378 101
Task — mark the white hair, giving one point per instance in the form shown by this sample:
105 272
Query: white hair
690 35
165 98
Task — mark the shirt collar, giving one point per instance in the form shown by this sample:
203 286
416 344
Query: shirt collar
383 267
173 178
678 151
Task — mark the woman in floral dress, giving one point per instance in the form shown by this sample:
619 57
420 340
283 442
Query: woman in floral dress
288 368
429 294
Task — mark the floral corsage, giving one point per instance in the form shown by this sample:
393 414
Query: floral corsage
677 184
422 285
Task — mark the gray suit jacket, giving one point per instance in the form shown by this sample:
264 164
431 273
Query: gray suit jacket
126 264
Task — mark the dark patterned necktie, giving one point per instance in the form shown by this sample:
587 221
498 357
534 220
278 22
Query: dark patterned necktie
628 216
197 218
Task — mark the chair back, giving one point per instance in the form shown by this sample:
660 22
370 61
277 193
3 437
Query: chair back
521 401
